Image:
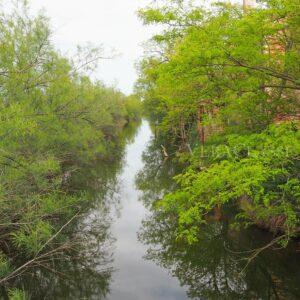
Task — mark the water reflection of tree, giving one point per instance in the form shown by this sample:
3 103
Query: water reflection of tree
212 268
155 178
82 270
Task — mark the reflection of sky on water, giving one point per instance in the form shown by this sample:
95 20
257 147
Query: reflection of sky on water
134 277
113 263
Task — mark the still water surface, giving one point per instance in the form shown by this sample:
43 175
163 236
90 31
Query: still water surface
128 250
149 263
134 276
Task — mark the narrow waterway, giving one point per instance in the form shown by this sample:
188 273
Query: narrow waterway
127 250
134 277
150 265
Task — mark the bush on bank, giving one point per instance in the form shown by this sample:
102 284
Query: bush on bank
53 120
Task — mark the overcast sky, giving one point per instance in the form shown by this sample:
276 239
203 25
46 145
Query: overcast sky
112 23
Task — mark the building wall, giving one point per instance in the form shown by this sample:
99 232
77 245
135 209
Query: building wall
249 3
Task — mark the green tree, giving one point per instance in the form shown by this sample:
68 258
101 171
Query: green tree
54 121
217 79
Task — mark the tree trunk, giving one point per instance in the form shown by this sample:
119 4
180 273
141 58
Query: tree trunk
201 129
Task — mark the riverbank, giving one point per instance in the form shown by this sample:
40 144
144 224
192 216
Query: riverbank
215 85
55 123
223 263
127 248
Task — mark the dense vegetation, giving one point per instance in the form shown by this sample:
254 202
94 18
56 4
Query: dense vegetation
220 84
55 122
221 264
223 83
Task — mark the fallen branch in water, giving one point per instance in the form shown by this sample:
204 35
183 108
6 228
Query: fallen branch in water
37 257
164 151
257 251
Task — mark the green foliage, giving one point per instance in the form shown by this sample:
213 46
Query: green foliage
216 81
15 294
54 120
32 238
242 69
5 267
134 107
257 172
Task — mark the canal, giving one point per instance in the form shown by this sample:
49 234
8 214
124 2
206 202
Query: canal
126 249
